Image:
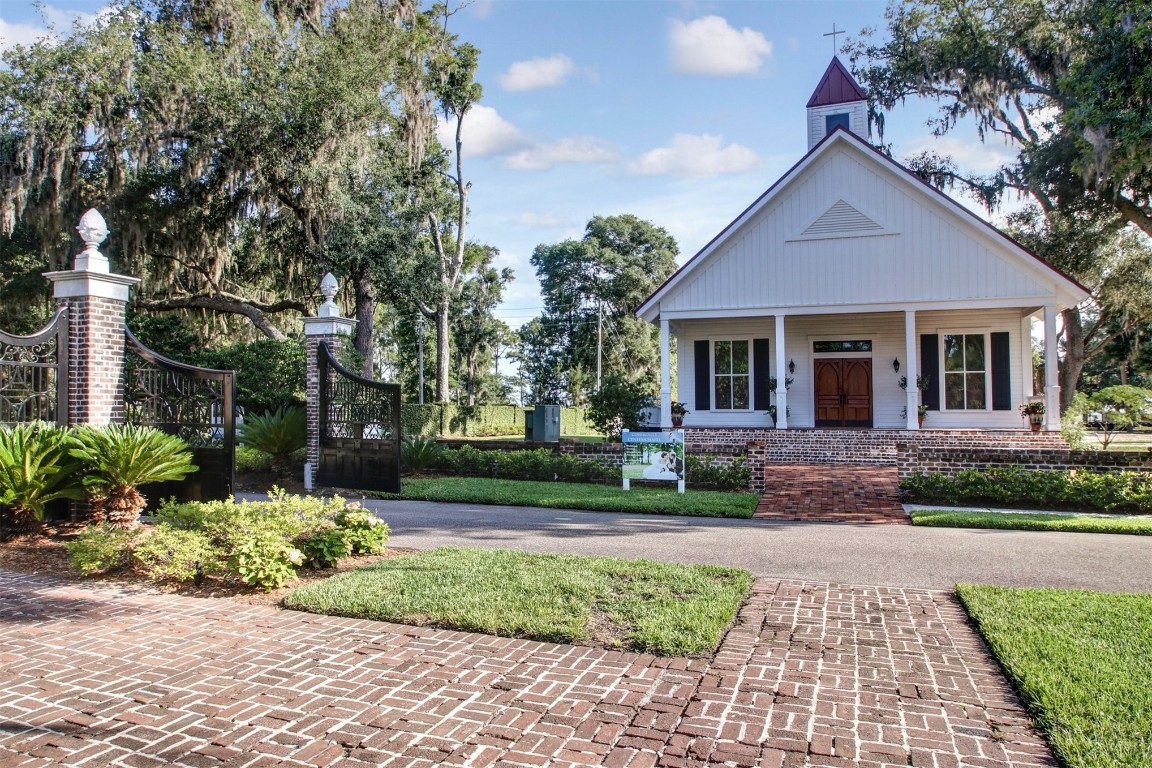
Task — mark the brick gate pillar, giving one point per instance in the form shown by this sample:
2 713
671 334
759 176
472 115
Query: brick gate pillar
328 326
96 299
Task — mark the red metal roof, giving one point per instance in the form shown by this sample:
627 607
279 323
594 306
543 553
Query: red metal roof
836 87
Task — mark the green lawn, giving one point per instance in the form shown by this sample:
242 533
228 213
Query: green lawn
1082 662
962 518
599 498
638 604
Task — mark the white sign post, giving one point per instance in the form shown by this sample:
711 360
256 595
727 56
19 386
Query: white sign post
653 456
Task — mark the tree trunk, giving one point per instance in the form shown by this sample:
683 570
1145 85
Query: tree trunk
365 315
442 351
1074 356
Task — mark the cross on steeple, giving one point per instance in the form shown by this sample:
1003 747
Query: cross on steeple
833 34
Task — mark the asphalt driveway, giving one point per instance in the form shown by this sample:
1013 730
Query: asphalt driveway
880 555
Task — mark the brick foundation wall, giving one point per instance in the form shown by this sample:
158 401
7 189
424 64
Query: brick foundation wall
913 459
862 446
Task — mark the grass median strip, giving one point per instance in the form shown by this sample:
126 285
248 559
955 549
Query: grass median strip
1081 662
598 498
1022 521
660 608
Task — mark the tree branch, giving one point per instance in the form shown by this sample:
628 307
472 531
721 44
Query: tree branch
254 311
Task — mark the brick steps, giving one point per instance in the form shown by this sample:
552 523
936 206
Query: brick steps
827 493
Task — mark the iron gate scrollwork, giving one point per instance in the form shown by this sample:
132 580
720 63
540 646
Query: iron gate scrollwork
33 374
195 404
359 429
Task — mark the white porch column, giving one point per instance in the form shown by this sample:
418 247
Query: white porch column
911 368
665 376
781 376
1051 371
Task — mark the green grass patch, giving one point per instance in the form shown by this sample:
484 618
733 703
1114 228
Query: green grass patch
642 605
962 518
1082 662
598 498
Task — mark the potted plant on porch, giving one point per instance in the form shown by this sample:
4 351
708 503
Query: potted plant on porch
1035 413
678 411
921 412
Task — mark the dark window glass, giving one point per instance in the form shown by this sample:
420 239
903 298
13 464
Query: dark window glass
730 368
965 377
842 346
832 122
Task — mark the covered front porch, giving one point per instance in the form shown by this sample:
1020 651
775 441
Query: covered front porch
854 368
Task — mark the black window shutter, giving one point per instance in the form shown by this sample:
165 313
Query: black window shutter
1001 373
703 376
761 372
930 369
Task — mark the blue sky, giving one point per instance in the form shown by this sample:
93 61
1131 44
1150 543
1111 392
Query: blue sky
681 113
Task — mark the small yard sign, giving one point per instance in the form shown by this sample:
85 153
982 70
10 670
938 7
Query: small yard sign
654 456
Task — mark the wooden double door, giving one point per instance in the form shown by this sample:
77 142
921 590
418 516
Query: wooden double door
843 392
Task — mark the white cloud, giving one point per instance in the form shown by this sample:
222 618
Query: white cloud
56 22
481 9
970 155
536 220
534 74
485 133
695 156
574 149
19 34
709 46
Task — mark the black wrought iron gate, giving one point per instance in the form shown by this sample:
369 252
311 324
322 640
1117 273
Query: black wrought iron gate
359 429
195 404
33 374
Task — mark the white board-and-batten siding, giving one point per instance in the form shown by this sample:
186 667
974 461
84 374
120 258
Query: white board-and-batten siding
918 253
886 332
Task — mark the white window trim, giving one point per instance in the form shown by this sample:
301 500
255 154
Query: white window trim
712 374
987 334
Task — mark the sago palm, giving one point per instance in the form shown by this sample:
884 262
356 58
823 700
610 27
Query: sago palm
121 457
35 468
279 433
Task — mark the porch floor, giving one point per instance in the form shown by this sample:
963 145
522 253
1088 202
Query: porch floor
831 493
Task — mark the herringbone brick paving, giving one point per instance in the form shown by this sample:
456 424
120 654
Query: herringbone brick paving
812 676
831 493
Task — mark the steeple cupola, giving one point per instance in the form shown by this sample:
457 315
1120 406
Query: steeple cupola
837 101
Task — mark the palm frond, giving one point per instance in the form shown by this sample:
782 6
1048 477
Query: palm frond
131 456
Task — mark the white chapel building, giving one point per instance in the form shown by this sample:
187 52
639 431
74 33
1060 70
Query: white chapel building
847 274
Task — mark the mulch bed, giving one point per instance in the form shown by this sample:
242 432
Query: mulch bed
48 554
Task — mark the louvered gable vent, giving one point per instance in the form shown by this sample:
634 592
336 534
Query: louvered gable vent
840 219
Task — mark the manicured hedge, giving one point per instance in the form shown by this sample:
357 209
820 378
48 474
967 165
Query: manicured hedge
432 420
538 464
1041 489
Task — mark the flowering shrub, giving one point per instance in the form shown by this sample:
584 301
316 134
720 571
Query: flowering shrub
100 548
262 543
366 534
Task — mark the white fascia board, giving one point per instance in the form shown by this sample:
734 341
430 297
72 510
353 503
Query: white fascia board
650 310
987 231
1026 304
1068 293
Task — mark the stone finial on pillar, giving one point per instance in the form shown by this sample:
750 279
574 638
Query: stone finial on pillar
93 231
335 330
95 299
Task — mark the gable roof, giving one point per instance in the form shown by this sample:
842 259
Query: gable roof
836 87
648 309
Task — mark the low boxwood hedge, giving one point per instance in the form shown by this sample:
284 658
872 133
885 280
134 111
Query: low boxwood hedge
1039 489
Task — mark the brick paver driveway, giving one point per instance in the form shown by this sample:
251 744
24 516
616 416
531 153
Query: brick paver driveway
813 675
